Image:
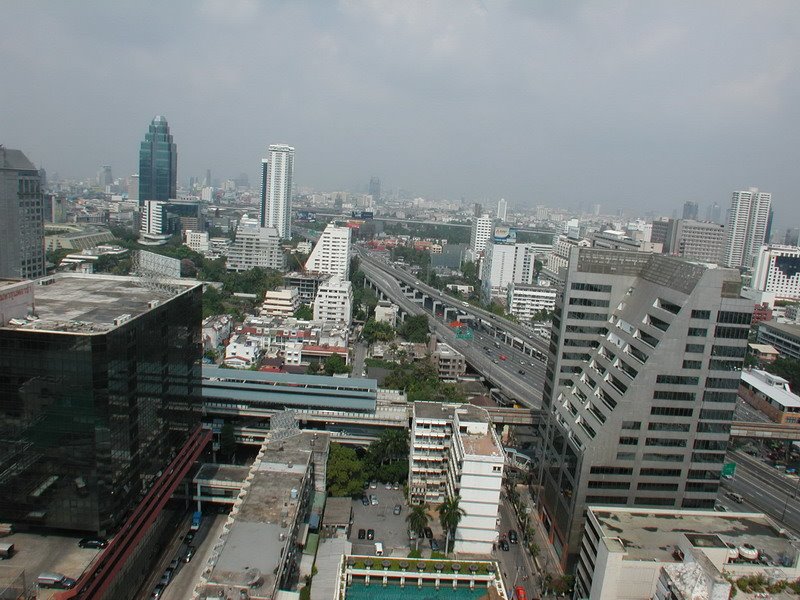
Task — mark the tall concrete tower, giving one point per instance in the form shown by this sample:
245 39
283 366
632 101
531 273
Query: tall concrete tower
277 173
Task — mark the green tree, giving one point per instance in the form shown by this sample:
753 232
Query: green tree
304 313
789 369
227 441
450 515
377 332
415 329
335 364
417 520
345 472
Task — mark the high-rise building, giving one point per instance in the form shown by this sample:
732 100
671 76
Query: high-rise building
104 177
255 246
502 210
21 217
645 359
525 301
375 189
133 188
525 260
690 210
497 269
777 270
100 387
747 227
331 253
158 163
694 240
334 301
277 173
714 213
480 233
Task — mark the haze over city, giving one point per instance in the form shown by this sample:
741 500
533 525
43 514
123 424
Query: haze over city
638 105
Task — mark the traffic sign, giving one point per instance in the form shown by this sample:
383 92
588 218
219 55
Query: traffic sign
729 470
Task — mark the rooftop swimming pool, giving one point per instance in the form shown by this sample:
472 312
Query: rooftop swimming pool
359 591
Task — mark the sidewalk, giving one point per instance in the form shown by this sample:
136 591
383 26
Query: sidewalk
546 561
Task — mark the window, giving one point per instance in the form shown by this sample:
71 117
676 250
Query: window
655 501
692 364
656 322
648 339
716 415
670 411
723 383
588 302
729 351
677 380
628 441
609 485
716 445
731 333
626 456
607 500
670 395
712 396
701 314
697 348
697 332
734 318
603 470
591 287
653 456
653 472
704 474
682 427
696 486
632 425
586 316
725 365
702 457
657 487
666 442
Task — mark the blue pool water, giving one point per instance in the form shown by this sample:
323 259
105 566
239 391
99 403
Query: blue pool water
358 591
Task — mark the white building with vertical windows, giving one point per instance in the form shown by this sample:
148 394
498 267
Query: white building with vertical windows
524 301
502 210
331 254
334 301
747 227
255 246
480 233
777 270
277 173
455 451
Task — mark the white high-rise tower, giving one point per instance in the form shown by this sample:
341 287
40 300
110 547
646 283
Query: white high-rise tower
747 227
502 209
276 189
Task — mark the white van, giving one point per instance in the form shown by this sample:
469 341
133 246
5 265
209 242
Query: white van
55 580
378 549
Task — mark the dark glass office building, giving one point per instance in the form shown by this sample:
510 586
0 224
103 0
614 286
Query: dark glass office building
99 387
158 163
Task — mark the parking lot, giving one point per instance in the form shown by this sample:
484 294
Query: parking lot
390 529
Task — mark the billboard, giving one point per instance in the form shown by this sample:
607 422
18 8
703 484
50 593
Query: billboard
305 215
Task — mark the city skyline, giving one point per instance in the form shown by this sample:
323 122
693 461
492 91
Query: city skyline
575 112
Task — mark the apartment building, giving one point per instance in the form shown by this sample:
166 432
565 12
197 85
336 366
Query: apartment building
282 302
524 301
331 254
784 337
455 451
777 270
450 363
255 246
334 301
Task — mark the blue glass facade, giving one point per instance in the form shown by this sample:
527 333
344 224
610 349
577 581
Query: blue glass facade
158 163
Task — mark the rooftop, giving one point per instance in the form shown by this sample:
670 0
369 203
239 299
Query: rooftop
80 303
260 527
773 387
788 328
481 444
653 534
15 160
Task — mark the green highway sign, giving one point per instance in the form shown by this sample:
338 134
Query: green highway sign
729 470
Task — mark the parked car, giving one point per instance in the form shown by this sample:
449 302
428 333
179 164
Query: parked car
93 542
373 499
720 507
364 500
166 577
504 545
735 497
395 486
158 591
428 532
174 563
512 536
388 485
397 509
55 580
373 484
370 534
190 551
189 537
362 533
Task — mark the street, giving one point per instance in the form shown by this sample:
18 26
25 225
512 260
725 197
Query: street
516 564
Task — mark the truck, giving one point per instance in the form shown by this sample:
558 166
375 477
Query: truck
197 517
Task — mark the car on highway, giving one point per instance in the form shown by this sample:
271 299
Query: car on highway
503 357
520 593
370 534
157 592
521 372
735 497
190 552
512 536
362 533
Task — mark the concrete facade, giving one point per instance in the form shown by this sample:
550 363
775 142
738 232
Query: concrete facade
331 254
255 246
646 353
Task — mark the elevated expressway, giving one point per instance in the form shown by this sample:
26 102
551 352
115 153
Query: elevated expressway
525 390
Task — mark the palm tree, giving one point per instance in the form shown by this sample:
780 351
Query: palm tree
418 520
450 514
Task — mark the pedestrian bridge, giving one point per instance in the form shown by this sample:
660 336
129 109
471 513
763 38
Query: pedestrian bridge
772 431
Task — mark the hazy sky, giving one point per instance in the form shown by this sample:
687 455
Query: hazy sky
641 104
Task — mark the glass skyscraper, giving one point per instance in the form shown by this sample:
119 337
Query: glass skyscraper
158 163
97 393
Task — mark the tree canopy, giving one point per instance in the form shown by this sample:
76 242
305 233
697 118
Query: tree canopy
415 329
377 332
335 364
345 472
